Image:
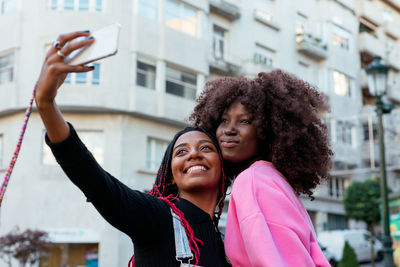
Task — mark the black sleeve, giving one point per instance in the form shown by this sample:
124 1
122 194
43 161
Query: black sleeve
130 211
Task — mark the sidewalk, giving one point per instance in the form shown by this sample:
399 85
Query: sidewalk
377 264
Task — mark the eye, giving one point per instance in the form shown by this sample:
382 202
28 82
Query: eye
180 152
245 121
207 148
223 120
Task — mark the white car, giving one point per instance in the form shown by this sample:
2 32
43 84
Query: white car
329 255
357 239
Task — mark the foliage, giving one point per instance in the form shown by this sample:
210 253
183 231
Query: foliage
23 246
349 258
361 201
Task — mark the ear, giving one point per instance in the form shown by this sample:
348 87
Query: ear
172 180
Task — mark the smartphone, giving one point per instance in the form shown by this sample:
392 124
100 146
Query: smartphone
105 44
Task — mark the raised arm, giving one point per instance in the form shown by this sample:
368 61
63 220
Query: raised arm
53 73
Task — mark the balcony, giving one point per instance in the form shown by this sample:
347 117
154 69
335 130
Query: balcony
392 29
394 93
370 44
223 67
311 46
266 19
370 11
363 79
251 68
393 59
225 9
395 3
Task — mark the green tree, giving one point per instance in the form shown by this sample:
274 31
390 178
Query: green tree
349 258
361 203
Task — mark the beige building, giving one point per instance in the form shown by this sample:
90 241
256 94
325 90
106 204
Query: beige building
128 109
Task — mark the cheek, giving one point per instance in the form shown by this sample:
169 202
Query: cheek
219 132
174 168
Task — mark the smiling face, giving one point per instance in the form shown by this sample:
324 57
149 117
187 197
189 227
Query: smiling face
195 163
236 134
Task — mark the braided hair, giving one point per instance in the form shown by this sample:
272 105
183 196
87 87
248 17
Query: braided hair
165 190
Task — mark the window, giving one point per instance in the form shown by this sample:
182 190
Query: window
300 29
370 131
148 8
70 254
84 5
342 84
341 38
336 222
6 68
181 17
94 141
7 6
146 74
181 83
155 152
263 16
69 4
304 71
99 5
387 15
389 45
76 5
346 133
263 56
336 187
219 42
92 77
53 4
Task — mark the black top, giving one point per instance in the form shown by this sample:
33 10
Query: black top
144 218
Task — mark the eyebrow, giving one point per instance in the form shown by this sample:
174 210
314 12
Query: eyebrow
199 142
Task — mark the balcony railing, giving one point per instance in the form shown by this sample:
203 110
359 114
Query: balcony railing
392 28
396 3
266 19
362 139
311 46
393 59
225 9
369 11
370 44
221 66
251 68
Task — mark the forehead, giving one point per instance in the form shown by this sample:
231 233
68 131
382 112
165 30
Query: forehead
238 108
192 137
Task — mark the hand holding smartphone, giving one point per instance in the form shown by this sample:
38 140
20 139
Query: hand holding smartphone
105 44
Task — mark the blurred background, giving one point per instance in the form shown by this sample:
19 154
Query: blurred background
130 106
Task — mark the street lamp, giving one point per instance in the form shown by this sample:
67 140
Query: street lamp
377 85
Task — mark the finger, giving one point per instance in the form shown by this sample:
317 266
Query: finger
76 45
64 38
80 68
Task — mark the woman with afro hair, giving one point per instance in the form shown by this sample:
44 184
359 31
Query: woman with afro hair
275 143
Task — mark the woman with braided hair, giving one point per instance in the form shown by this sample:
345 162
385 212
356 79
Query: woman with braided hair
274 142
175 224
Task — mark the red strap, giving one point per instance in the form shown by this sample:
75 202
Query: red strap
131 261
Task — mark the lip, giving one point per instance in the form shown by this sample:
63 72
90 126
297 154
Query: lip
229 143
194 165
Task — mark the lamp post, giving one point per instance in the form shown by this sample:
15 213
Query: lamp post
377 86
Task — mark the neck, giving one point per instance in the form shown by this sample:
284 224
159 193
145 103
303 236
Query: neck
206 201
234 168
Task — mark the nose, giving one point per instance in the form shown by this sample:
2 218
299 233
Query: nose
230 129
194 153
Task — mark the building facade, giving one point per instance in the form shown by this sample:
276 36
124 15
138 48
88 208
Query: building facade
131 105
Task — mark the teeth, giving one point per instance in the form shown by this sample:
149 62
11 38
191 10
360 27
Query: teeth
196 168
